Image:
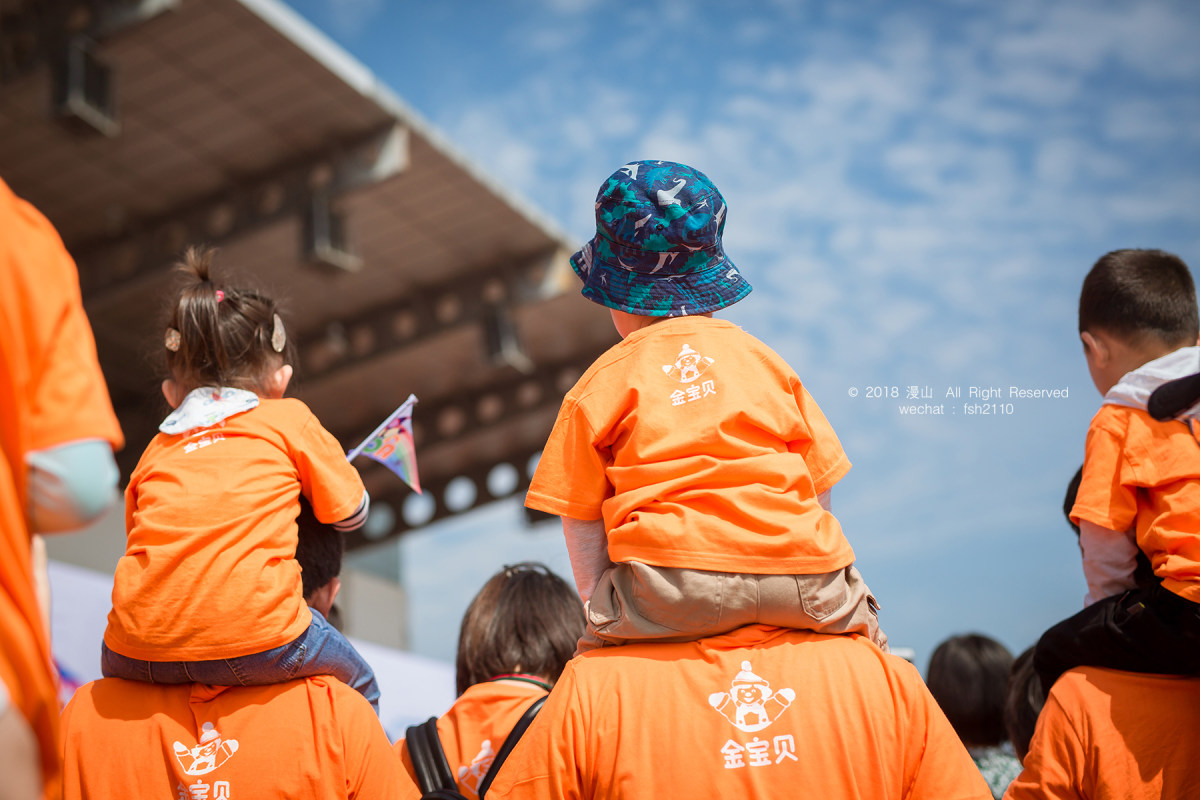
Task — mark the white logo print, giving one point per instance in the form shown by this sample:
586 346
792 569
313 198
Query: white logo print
667 198
210 753
750 704
689 365
471 776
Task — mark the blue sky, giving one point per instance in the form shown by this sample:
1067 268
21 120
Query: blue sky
916 191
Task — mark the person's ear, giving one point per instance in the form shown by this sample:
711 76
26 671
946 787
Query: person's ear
322 598
277 382
172 393
1095 348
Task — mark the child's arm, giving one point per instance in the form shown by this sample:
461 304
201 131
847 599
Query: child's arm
1109 559
358 518
587 547
329 482
70 484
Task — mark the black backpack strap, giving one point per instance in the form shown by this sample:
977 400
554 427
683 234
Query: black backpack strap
429 759
514 736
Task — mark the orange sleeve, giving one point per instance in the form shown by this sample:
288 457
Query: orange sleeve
1055 755
939 767
570 479
330 482
822 450
69 398
372 769
1105 497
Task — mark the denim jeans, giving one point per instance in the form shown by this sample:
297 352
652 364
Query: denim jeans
320 650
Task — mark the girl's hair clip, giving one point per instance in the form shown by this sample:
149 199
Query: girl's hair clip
220 295
278 337
172 340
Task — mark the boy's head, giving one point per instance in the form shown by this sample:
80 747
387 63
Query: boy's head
1135 306
319 551
657 250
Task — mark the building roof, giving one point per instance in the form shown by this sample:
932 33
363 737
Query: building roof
235 123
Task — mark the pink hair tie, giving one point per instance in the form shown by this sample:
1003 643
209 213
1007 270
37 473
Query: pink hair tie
220 295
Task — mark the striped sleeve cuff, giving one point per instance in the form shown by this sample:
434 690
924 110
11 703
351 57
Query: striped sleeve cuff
355 520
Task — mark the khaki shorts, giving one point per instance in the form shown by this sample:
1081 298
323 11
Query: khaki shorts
635 602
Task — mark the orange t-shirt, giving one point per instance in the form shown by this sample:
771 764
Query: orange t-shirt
473 731
701 449
1143 474
51 393
1109 735
759 712
308 738
209 569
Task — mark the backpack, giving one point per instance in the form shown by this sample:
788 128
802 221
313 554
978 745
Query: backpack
433 770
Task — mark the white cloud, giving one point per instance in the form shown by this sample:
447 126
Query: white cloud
351 17
1140 121
1080 36
1063 162
570 6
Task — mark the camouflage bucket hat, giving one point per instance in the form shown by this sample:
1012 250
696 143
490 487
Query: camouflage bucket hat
657 250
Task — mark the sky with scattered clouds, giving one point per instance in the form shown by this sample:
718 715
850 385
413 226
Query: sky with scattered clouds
915 190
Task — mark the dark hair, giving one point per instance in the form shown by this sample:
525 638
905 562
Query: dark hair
319 550
968 676
524 619
1023 703
218 335
1136 294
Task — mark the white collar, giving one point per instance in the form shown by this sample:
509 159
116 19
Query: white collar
1135 387
206 406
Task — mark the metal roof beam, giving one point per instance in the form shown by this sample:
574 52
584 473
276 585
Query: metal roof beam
347 342
108 266
36 30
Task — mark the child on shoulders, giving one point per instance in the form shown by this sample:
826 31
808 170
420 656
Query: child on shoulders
209 589
1140 488
691 468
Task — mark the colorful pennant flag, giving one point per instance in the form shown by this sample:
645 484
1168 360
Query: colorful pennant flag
391 444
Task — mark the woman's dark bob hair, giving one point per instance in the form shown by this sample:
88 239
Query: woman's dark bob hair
968 676
525 619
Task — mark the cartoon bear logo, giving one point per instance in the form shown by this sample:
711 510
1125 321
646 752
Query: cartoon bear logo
210 753
689 365
750 704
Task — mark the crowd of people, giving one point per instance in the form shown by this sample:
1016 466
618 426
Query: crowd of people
718 640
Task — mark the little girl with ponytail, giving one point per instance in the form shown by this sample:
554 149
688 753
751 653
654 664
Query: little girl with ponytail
209 589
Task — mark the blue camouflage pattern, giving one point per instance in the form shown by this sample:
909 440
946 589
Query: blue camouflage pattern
657 250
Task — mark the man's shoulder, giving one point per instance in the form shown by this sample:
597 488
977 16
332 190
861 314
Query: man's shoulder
791 651
1089 682
134 697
